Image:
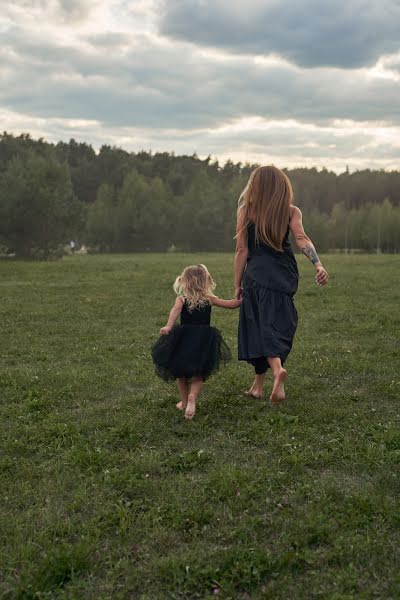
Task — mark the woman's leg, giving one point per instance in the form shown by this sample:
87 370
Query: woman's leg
278 391
183 389
260 367
194 390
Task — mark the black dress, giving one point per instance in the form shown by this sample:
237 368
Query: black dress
268 317
191 349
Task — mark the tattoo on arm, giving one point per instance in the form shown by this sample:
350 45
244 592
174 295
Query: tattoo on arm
311 253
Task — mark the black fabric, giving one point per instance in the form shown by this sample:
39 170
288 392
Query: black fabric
268 317
201 315
260 364
191 349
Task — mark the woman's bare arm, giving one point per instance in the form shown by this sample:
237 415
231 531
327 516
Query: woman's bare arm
304 243
173 315
241 253
234 303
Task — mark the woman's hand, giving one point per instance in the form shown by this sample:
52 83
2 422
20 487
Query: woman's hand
238 293
165 330
321 276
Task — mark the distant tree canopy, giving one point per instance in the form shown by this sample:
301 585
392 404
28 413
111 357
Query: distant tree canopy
38 208
118 201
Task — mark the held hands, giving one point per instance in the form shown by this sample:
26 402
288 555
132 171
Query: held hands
236 302
239 293
321 276
165 330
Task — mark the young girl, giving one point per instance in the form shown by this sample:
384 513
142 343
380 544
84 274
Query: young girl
193 350
266 275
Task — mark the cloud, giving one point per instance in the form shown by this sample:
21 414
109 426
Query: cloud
74 10
144 81
69 11
284 143
102 73
309 33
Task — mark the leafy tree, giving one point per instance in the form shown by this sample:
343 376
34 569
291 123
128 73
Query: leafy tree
38 209
101 219
83 166
142 210
145 201
339 228
317 226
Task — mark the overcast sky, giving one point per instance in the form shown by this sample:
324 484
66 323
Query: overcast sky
294 83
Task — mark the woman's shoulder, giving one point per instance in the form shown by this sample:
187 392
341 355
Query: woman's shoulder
294 212
241 215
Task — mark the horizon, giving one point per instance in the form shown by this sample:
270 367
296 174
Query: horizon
213 159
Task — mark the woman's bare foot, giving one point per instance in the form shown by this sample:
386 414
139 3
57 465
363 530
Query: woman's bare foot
254 392
191 407
179 405
278 391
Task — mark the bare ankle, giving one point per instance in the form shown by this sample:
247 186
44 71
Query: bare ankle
278 371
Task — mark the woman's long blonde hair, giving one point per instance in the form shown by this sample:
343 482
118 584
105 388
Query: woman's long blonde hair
195 284
266 200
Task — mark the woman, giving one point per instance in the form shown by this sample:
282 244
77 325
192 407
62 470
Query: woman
266 275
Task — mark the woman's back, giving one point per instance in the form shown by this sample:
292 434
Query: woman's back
255 244
276 271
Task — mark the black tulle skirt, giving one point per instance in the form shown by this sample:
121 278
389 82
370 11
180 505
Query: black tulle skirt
189 351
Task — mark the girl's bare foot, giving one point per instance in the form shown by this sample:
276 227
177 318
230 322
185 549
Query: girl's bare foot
278 391
191 407
183 390
181 405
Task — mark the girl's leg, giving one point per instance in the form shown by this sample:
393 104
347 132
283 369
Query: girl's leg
278 391
260 366
194 390
183 389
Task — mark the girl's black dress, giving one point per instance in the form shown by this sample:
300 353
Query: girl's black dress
191 349
268 317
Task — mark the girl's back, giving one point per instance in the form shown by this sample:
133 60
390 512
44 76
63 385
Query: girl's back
199 315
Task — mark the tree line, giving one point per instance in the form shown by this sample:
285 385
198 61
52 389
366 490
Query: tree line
119 201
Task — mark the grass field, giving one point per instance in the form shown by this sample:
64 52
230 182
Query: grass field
107 492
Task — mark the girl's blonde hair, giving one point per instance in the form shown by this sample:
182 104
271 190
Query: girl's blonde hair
195 284
266 200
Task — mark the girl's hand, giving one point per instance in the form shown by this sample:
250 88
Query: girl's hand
165 330
239 293
321 276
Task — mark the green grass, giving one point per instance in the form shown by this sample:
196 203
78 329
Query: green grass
107 492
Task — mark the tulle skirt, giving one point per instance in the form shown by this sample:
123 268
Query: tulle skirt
189 351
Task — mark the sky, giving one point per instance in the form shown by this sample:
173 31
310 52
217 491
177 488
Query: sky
299 83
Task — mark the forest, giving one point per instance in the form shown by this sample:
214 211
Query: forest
113 200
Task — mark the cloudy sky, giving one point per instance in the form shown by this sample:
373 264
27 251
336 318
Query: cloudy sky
299 83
